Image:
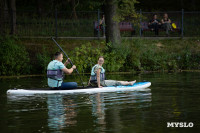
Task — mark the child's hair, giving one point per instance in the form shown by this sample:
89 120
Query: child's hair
101 57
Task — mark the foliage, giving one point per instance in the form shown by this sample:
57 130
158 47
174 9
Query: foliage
162 55
130 55
85 57
97 4
139 55
115 56
43 60
126 11
14 57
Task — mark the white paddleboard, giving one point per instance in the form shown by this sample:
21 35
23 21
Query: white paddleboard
137 86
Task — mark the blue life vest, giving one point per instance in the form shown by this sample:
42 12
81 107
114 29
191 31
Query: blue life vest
94 75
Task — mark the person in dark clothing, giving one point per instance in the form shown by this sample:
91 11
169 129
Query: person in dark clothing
154 24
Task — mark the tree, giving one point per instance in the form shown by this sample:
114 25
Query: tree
12 14
116 11
169 5
39 7
112 27
2 16
73 6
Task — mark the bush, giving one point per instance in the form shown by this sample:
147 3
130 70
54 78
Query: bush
115 56
162 55
86 56
130 55
14 57
43 60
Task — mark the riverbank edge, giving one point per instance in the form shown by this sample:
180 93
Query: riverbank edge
111 73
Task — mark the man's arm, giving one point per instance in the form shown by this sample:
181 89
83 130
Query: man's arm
69 71
67 62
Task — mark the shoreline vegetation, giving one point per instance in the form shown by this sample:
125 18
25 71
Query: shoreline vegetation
20 56
110 73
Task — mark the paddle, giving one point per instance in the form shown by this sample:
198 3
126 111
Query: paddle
67 58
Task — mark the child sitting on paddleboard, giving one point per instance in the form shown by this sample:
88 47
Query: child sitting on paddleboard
98 76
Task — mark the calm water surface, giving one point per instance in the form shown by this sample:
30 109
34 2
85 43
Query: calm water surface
173 97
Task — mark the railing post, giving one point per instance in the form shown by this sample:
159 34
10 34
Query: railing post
98 24
56 25
182 23
140 22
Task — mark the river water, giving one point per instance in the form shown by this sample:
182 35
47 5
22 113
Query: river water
173 97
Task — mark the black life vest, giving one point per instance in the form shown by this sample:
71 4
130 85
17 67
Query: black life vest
57 74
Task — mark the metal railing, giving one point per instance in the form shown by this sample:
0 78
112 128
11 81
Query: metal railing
82 24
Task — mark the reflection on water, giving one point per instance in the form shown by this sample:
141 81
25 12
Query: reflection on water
61 112
63 109
56 112
98 110
172 97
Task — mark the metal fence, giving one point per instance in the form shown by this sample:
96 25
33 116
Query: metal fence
83 24
187 23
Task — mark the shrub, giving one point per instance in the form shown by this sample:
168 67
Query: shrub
43 60
14 57
85 57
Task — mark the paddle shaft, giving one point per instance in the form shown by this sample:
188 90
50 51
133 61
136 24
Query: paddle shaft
67 58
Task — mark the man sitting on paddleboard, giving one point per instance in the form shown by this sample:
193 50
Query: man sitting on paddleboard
55 73
98 76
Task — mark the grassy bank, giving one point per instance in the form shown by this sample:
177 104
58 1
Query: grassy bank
31 56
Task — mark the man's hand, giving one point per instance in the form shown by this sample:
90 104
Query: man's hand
100 86
67 61
74 67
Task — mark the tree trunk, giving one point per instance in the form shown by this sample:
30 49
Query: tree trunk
2 17
112 27
13 8
39 8
73 5
12 15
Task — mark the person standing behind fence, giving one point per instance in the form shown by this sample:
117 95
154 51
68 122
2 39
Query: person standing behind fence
154 24
166 23
102 24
